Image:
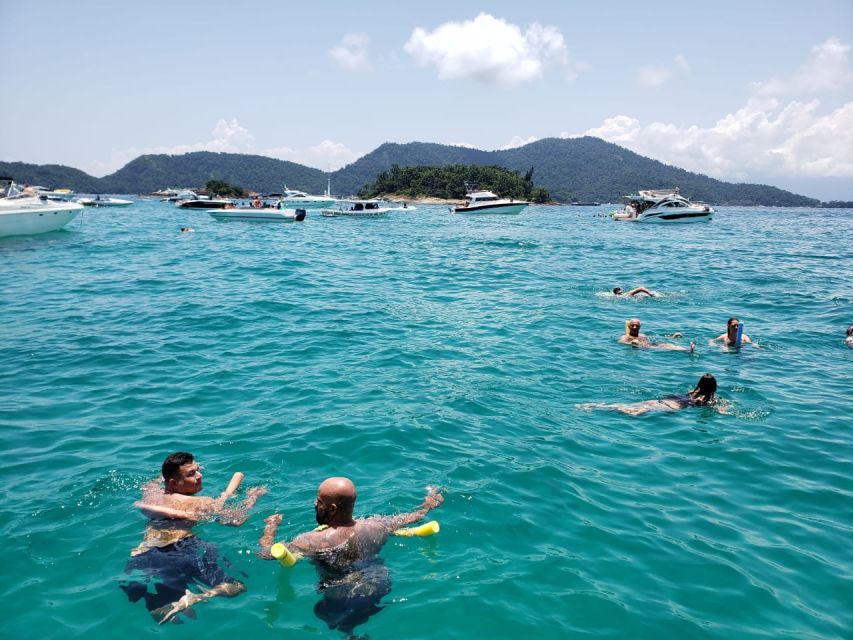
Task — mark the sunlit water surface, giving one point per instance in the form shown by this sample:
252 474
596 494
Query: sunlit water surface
428 348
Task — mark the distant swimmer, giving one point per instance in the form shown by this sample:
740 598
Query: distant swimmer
633 337
703 395
849 339
345 552
617 291
187 229
730 337
171 558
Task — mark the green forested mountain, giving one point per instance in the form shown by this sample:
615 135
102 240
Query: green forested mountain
52 176
448 181
152 172
569 169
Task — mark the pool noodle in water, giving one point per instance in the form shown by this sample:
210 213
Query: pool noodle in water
739 336
288 559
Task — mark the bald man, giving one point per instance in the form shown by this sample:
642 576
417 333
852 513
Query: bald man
353 578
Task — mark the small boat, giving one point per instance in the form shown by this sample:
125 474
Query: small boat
24 214
480 201
358 209
663 205
294 198
205 202
57 195
174 195
103 201
255 214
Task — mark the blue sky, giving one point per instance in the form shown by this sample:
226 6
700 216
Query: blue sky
743 91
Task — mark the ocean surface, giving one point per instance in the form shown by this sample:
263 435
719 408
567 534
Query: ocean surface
434 349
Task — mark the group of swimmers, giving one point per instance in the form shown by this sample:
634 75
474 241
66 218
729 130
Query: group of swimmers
171 558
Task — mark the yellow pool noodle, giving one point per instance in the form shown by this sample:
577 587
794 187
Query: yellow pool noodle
283 555
428 529
626 328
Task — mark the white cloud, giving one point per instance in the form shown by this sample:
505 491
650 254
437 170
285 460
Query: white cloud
827 69
764 138
489 50
656 76
231 137
351 53
518 141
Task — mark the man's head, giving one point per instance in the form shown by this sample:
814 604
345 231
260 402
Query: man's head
634 327
335 501
182 474
617 291
850 330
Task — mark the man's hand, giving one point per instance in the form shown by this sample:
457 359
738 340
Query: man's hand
433 498
186 601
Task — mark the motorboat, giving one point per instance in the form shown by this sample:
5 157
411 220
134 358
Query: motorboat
358 209
663 205
255 214
302 200
104 201
24 213
205 202
175 195
58 195
481 201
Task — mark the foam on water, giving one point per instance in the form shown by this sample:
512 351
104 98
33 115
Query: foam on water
428 348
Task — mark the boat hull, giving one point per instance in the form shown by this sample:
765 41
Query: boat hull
37 219
257 215
112 202
303 203
506 208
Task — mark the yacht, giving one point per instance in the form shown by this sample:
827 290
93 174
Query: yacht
294 198
663 205
24 214
205 202
104 201
357 209
255 214
480 201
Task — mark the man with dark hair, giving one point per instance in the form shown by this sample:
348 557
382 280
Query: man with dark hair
171 558
353 578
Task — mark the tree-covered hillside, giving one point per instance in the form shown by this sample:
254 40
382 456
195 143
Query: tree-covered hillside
569 169
152 172
449 182
52 176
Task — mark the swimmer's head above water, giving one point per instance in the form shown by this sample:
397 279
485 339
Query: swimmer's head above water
335 502
617 291
706 390
182 474
632 327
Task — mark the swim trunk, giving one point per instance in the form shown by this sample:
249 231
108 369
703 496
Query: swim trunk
161 575
350 598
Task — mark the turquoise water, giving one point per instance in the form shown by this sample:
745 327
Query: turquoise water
435 349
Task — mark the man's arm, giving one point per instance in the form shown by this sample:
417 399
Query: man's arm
227 589
432 500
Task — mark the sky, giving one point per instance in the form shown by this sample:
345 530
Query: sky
744 91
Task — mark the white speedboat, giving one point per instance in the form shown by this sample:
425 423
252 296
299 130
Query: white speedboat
59 195
255 214
22 214
103 201
205 202
174 195
663 205
358 209
480 201
294 198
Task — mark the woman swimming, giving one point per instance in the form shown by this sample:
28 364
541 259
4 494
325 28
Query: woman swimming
703 395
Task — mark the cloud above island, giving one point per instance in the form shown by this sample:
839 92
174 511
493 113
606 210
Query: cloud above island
351 54
654 77
489 50
768 136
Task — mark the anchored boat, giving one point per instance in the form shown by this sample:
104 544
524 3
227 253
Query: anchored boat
663 205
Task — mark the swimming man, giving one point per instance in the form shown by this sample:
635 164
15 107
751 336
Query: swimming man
171 558
353 578
634 338
617 291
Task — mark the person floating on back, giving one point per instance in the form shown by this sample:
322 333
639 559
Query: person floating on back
171 558
633 337
345 552
703 395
